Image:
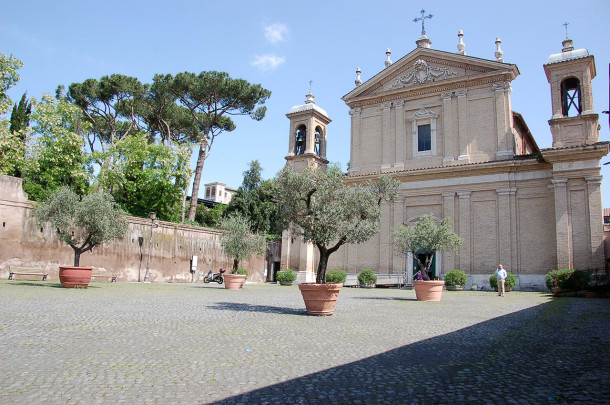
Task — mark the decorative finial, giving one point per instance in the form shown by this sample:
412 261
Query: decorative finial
565 24
422 18
461 45
358 80
309 98
388 61
498 53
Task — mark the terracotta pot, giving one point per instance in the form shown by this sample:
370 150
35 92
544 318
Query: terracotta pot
455 288
592 294
285 282
234 281
428 290
367 285
320 299
74 277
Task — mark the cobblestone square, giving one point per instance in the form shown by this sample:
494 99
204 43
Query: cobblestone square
199 344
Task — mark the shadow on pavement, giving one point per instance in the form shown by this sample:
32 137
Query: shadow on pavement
543 355
35 284
232 306
386 298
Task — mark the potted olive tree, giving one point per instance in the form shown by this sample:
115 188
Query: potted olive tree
422 240
82 223
285 277
318 206
240 244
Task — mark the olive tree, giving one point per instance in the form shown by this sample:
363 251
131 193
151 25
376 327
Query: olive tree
82 223
237 240
320 207
424 238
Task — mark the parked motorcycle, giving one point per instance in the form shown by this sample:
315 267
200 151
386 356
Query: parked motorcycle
217 277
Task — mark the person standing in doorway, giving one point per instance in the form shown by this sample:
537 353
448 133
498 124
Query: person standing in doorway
501 273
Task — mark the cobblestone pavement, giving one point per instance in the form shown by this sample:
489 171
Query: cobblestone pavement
198 344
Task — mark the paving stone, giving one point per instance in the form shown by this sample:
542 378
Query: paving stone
198 344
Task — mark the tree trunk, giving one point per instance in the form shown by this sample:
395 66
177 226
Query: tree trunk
321 273
76 258
235 266
197 180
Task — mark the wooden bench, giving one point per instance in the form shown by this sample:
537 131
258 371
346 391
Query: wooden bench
104 276
24 271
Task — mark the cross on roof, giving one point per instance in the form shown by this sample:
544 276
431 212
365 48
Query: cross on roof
422 18
565 24
310 82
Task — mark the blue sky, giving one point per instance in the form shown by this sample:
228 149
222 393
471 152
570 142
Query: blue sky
284 44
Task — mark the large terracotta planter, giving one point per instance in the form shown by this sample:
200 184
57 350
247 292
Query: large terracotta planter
74 277
320 299
234 281
428 290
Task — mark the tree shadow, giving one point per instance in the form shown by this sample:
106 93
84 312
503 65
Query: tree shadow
386 298
268 309
535 355
35 284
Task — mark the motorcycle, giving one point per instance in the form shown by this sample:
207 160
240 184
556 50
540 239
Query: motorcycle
217 277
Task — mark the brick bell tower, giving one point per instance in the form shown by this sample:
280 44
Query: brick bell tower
306 148
574 122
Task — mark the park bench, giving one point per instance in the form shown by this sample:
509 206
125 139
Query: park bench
110 277
25 271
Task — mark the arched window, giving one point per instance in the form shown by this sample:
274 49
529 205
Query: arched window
214 192
570 97
207 192
299 144
318 140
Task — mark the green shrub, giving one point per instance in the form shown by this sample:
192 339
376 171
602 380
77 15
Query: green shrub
243 272
456 277
336 276
286 276
366 277
510 282
568 279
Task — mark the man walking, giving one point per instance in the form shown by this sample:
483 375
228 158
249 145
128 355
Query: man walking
501 273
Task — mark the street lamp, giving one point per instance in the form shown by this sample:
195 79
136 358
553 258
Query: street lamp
140 242
153 215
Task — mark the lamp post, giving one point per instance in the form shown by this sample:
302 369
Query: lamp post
153 215
140 241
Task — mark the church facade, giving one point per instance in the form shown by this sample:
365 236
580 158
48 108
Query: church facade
443 124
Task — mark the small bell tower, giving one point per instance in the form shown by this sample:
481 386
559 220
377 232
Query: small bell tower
574 122
307 138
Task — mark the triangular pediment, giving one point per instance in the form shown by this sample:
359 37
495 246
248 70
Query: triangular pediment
425 67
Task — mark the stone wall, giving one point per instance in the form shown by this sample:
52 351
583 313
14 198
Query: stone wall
25 244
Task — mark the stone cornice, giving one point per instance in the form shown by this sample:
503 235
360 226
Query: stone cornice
308 113
574 153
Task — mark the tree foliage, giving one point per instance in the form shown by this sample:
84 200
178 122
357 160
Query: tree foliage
255 199
82 223
238 241
212 98
20 116
12 144
425 238
56 156
147 176
325 211
210 217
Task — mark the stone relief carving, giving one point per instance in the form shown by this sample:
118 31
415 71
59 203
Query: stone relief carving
355 111
423 113
421 72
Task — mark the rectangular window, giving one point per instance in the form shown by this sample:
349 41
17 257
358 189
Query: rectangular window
424 138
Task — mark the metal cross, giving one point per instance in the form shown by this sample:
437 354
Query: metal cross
422 18
310 82
565 24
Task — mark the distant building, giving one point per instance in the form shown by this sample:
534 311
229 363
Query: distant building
219 193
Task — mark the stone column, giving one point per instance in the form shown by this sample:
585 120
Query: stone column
355 141
448 137
398 262
291 141
504 230
310 139
562 229
449 212
504 148
385 240
463 124
386 143
286 246
464 230
596 221
401 135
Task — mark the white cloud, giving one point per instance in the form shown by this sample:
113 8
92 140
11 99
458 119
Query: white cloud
268 63
275 33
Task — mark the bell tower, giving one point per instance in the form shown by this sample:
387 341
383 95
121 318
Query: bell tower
306 148
570 73
307 139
